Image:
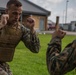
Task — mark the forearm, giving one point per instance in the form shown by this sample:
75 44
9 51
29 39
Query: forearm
53 50
1 25
32 42
54 47
35 43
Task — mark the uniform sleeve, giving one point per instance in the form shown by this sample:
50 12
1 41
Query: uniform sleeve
31 41
58 62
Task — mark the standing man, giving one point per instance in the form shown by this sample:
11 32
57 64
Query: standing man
59 63
12 32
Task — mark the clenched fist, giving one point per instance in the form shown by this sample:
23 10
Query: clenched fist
59 33
30 23
4 19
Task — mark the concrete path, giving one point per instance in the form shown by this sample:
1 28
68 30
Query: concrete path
50 32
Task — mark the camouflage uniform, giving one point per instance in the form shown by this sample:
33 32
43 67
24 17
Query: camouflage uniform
58 62
10 36
4 69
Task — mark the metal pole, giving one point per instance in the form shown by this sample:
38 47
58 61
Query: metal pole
63 20
66 11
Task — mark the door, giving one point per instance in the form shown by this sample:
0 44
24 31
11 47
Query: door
41 24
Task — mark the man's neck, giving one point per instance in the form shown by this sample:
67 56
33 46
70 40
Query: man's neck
12 23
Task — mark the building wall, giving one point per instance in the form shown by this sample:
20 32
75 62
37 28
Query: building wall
73 25
65 27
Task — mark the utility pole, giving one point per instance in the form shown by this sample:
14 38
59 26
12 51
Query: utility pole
66 11
63 19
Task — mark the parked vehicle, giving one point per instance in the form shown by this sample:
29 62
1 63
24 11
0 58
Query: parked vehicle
51 27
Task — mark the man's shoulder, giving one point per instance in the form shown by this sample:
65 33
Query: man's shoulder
23 28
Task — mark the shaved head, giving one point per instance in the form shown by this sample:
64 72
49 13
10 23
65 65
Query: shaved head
13 2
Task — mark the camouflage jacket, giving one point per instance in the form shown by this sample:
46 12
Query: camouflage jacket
58 62
11 35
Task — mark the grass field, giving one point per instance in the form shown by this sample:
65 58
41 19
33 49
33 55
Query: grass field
28 63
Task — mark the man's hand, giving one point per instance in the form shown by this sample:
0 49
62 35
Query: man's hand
4 19
30 23
59 33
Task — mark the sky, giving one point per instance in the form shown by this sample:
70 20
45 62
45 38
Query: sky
58 8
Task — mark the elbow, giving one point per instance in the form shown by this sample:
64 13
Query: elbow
35 50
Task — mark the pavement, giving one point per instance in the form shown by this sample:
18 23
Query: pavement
50 32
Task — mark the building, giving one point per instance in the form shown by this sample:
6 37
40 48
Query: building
73 25
40 14
66 26
69 26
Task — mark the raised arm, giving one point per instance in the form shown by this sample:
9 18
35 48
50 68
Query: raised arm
30 38
58 62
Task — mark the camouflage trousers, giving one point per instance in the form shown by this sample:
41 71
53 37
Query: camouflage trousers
4 69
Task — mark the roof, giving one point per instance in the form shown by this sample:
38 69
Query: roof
28 8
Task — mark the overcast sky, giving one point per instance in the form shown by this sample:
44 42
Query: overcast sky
58 8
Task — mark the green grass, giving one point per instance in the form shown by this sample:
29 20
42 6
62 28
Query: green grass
28 63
